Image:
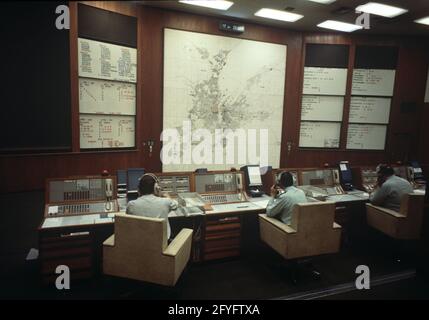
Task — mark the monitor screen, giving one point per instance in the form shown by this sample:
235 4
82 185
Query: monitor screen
133 176
254 175
122 177
346 173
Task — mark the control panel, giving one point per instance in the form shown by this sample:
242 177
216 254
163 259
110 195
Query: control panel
81 195
322 177
321 183
365 178
174 183
79 189
220 186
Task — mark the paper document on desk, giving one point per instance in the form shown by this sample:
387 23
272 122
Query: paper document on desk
262 204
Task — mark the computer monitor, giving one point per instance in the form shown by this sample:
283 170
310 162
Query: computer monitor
133 176
122 178
254 175
345 173
417 171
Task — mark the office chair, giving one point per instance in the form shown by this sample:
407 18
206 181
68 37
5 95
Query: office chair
399 226
138 250
312 232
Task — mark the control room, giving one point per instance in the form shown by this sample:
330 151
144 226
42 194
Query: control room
215 150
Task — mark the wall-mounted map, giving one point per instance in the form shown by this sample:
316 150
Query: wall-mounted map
106 97
106 131
219 82
103 60
329 81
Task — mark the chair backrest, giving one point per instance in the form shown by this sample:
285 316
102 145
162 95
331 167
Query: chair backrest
313 216
141 233
412 206
315 231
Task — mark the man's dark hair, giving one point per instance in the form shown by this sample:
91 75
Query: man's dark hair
385 170
146 185
286 179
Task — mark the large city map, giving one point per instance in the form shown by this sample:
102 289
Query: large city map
218 82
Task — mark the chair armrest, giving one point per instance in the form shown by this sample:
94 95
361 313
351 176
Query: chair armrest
384 210
278 224
110 241
178 242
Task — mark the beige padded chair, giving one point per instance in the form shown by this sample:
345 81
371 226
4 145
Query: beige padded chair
405 224
138 250
312 231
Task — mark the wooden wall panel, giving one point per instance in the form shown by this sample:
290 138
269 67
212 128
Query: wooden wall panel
28 172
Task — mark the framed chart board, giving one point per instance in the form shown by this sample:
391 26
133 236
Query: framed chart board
102 60
322 108
366 136
319 134
106 131
369 110
106 97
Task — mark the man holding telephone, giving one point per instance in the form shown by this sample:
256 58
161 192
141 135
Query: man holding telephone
390 189
151 202
284 197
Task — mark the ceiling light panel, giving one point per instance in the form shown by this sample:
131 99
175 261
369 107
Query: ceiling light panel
278 15
380 9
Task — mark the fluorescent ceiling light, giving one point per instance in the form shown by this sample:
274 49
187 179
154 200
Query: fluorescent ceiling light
424 20
213 4
278 15
340 26
323 1
381 9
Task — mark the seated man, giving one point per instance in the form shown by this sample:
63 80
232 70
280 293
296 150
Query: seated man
284 197
390 189
150 203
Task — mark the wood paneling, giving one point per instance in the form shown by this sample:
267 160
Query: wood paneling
28 172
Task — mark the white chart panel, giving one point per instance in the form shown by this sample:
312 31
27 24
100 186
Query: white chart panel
366 136
320 135
106 97
369 110
107 131
107 61
329 81
373 82
323 108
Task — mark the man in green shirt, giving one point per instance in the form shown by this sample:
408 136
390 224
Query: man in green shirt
284 197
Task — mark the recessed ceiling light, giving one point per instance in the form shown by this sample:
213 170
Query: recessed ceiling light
213 4
323 1
278 15
340 26
424 20
381 9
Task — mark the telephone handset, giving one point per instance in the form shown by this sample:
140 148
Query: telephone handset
336 177
108 188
